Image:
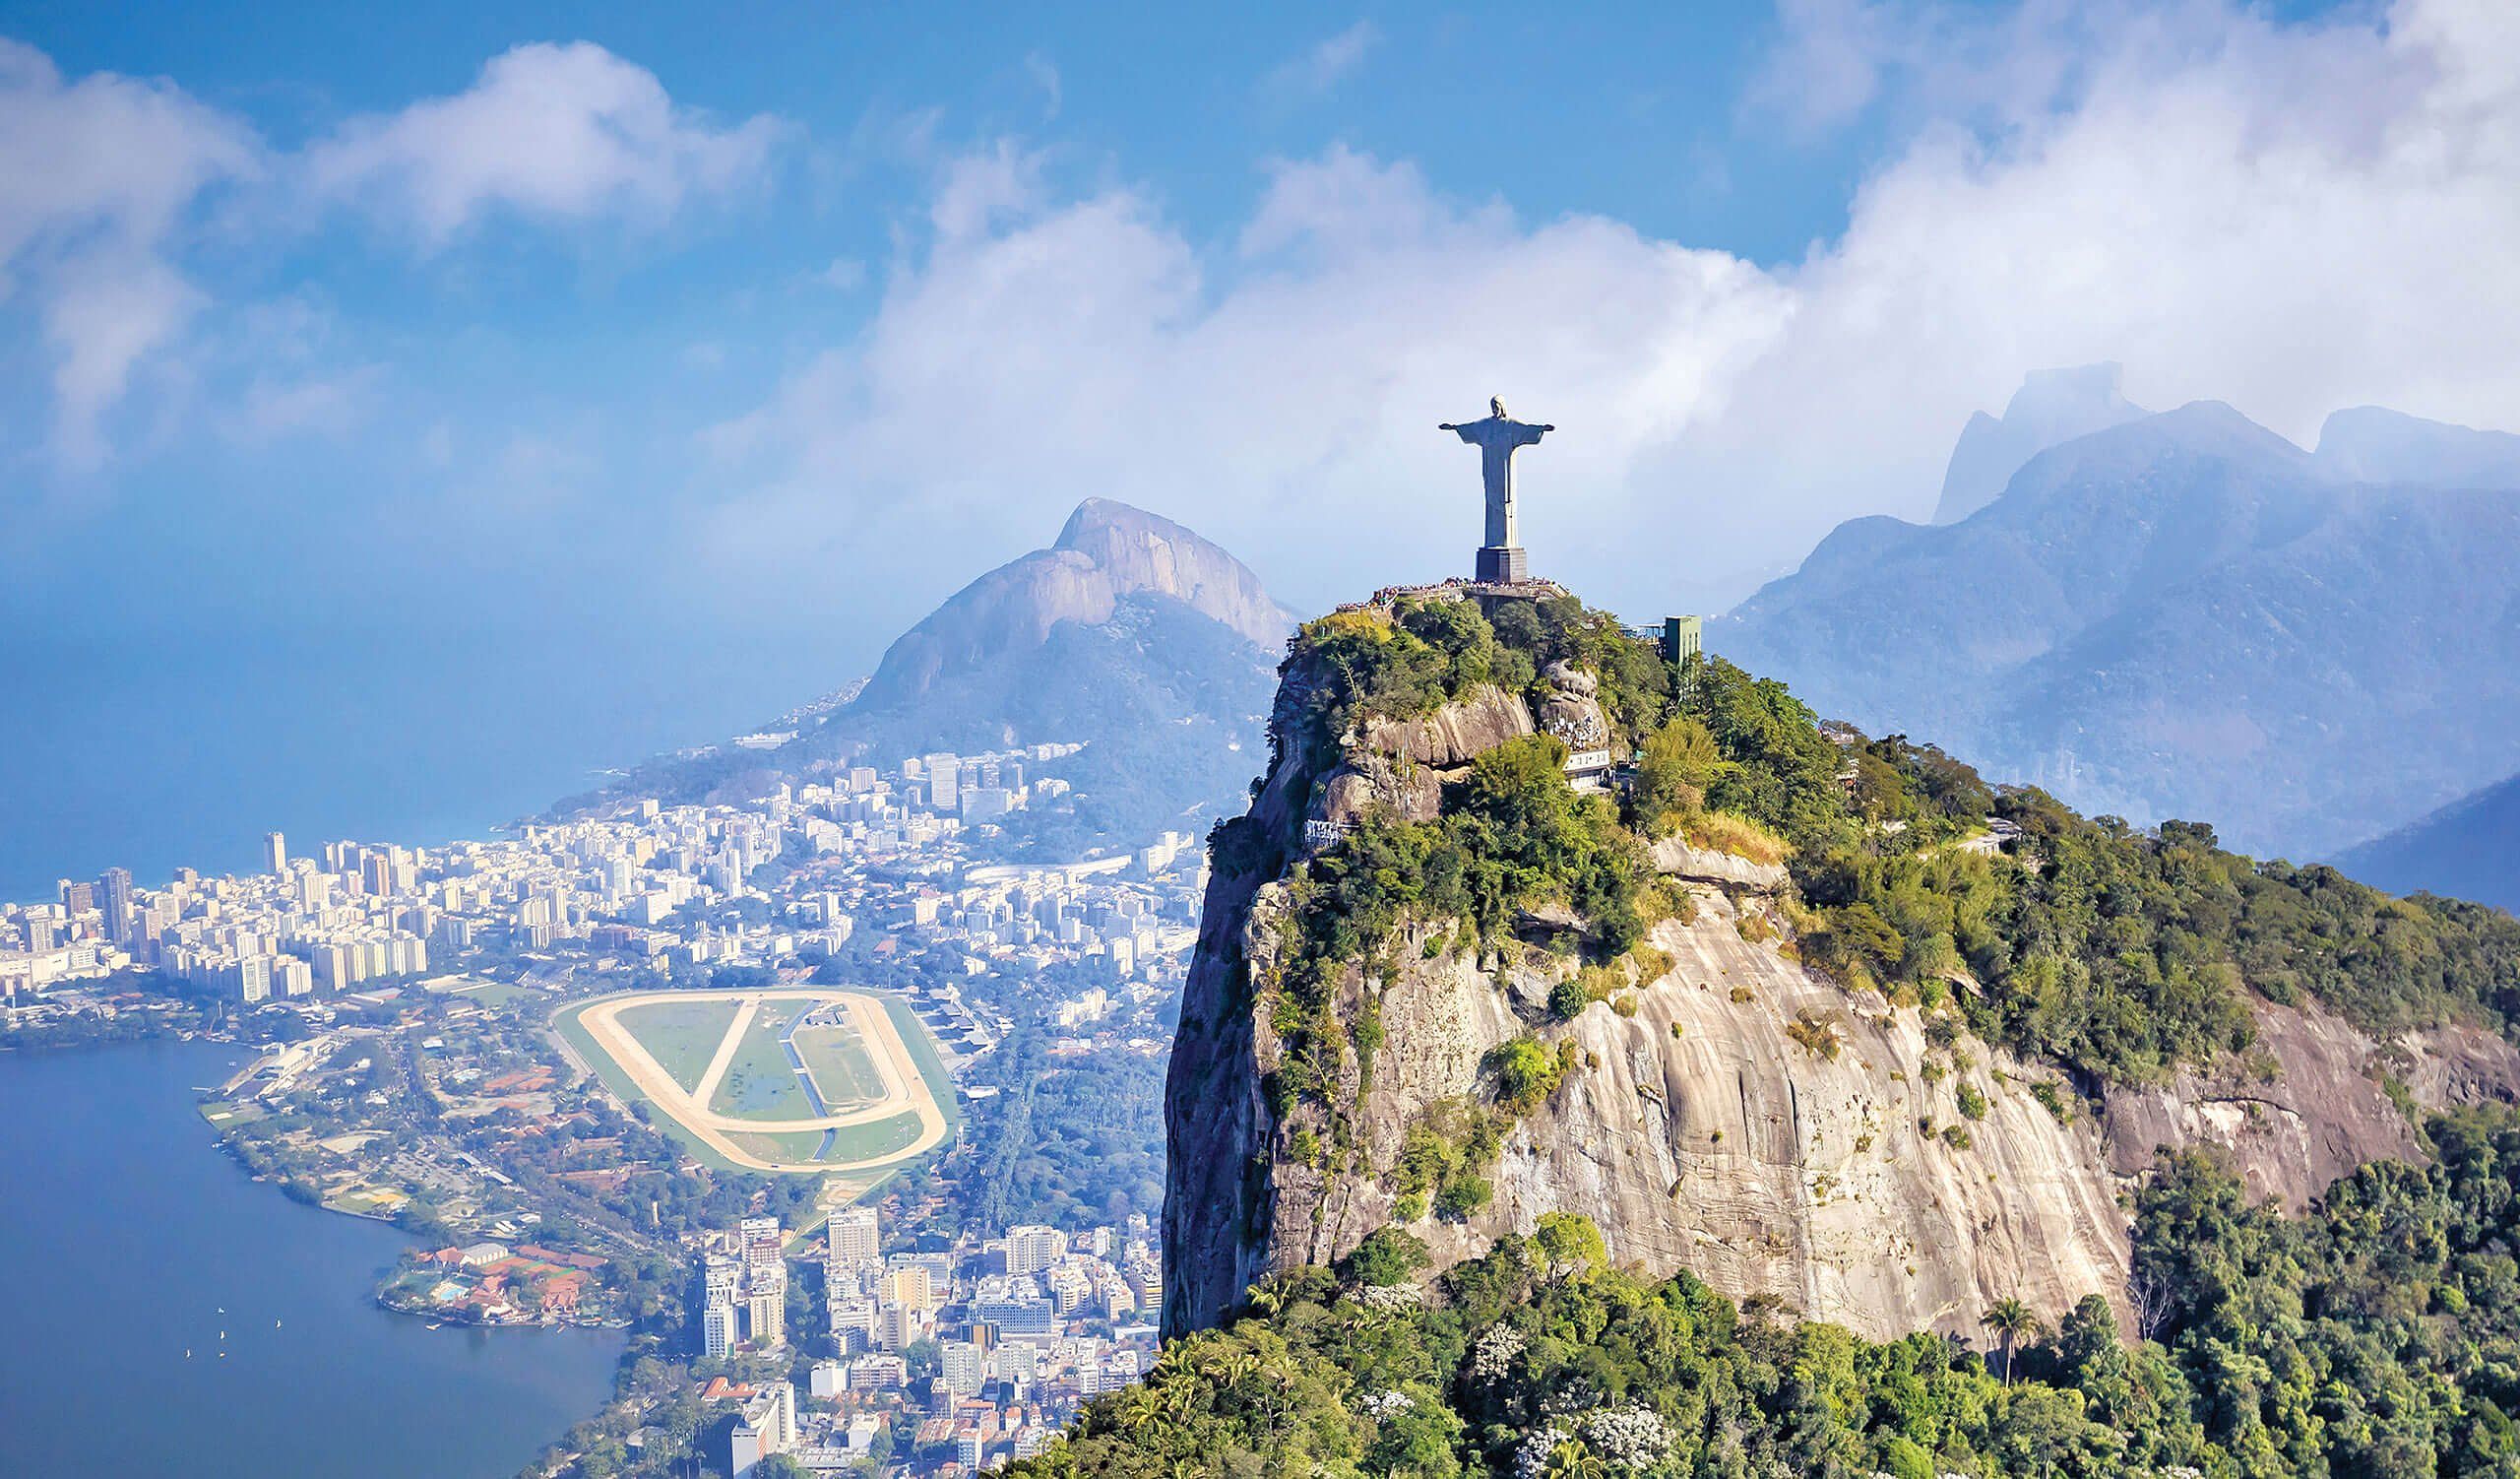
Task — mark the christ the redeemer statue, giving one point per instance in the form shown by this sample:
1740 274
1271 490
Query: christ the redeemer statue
1499 437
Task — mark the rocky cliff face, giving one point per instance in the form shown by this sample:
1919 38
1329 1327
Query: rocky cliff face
1738 1114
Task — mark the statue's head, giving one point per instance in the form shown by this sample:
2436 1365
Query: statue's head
1496 406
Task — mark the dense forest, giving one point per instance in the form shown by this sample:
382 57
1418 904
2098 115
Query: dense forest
2378 1336
1073 1143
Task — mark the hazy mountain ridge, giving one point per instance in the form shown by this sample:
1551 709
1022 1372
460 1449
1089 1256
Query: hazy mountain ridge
2051 406
2187 616
2469 849
1131 634
1108 552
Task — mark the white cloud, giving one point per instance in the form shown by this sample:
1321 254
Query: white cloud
1081 348
2289 217
1330 62
97 179
549 131
106 182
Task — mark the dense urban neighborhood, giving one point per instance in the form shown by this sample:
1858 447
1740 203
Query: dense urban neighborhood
394 1010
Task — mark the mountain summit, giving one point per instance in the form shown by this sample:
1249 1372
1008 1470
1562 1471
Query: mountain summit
2053 405
1108 554
1531 926
1132 636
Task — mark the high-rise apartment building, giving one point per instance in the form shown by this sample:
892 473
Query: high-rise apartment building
965 1368
113 896
906 1285
765 1425
761 1242
765 1311
274 853
856 1238
944 781
1032 1248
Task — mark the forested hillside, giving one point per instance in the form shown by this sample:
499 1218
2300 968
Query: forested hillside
2380 1335
2115 950
2377 1334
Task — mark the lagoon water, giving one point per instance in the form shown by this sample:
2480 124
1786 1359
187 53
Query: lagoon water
125 1233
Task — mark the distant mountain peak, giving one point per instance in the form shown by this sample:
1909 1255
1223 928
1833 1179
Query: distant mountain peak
1096 519
2374 444
2469 849
1108 550
2185 616
2053 405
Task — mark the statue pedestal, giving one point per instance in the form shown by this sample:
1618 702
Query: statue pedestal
1503 564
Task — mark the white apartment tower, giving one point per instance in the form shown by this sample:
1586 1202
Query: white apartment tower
1029 1249
855 1237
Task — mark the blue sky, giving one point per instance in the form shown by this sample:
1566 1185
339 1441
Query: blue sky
535 385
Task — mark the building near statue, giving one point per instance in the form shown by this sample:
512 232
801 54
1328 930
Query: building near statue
1681 638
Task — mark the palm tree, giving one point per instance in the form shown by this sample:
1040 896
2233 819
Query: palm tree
1571 1459
2010 1319
1178 1388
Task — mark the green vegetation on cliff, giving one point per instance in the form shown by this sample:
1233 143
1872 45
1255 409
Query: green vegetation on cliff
2119 952
1515 837
2380 1335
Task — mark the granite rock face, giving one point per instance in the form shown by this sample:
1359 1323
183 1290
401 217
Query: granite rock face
1727 1148
1673 857
1454 735
2315 1106
1738 1115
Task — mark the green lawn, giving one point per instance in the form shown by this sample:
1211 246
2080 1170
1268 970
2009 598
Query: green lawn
843 1068
759 1083
681 1036
500 994
872 1142
792 1145
923 1051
